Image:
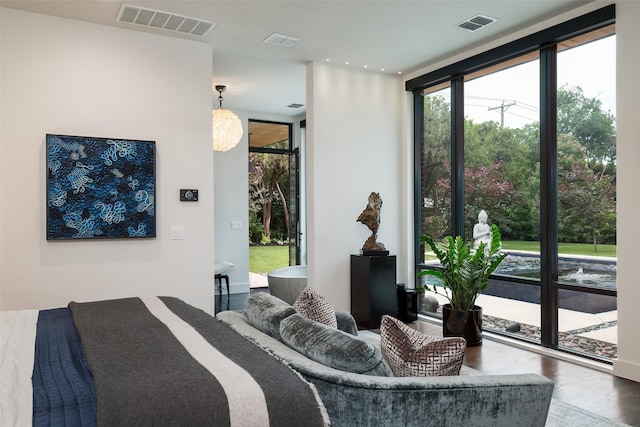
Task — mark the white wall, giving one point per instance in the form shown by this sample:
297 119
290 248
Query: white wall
354 146
628 176
231 191
231 186
69 77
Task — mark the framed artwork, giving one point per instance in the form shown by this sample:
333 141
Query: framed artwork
100 188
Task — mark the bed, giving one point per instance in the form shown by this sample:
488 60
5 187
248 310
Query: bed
143 361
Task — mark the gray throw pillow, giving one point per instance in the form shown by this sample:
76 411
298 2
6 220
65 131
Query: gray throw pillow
264 312
332 347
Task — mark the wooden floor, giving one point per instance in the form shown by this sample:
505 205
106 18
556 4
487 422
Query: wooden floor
587 388
593 390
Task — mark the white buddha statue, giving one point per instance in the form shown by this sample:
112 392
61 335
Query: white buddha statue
481 231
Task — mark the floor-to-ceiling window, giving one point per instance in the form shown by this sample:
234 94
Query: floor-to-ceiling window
525 134
502 181
586 139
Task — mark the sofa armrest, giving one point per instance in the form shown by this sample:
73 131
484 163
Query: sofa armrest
346 323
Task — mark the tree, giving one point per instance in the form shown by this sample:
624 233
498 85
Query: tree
484 188
586 198
257 199
517 151
486 142
584 119
270 173
586 167
585 204
502 172
435 166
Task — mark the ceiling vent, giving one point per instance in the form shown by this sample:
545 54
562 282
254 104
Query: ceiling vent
282 40
477 22
295 105
164 20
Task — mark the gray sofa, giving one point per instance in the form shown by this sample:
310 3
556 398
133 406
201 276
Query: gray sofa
355 399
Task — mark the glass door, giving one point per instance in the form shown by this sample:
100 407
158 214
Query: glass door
273 199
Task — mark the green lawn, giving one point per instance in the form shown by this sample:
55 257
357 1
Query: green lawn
563 248
263 259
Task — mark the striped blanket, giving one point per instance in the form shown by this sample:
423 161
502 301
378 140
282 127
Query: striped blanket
160 361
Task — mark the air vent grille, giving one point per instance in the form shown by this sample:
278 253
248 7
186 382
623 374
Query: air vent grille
282 40
295 105
165 20
476 22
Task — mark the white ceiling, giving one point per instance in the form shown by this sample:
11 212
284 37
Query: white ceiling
399 36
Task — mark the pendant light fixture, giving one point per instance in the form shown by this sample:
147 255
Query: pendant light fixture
227 128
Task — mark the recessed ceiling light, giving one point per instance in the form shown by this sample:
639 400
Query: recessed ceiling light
347 63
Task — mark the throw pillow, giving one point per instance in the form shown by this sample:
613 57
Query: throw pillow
314 306
410 353
332 347
264 312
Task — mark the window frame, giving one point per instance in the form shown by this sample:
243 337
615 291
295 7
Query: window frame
546 43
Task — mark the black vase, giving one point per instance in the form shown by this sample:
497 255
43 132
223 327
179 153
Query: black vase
463 323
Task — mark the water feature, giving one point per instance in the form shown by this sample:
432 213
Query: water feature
592 272
588 272
597 273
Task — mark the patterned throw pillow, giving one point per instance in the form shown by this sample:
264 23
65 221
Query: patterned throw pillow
314 306
410 353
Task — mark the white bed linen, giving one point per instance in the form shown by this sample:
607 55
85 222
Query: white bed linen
17 348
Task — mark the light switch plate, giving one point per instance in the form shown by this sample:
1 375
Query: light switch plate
236 225
177 232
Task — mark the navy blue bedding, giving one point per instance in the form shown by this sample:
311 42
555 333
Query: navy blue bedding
64 393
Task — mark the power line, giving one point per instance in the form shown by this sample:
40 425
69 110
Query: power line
522 117
502 107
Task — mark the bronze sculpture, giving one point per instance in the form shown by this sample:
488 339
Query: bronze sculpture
370 217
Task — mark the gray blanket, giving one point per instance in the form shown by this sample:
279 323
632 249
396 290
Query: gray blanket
160 361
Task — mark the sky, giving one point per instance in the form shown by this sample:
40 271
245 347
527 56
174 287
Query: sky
590 66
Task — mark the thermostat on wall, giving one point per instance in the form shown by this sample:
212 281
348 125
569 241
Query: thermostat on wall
188 195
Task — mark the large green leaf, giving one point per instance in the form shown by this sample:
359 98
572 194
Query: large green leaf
464 273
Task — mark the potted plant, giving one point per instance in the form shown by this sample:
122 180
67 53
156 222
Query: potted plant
464 275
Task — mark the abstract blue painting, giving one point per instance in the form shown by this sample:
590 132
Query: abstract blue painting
100 188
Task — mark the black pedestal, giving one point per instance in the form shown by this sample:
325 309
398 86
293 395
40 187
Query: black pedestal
373 289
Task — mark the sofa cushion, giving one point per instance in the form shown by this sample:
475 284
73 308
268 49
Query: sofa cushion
346 323
410 353
314 306
332 347
265 312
